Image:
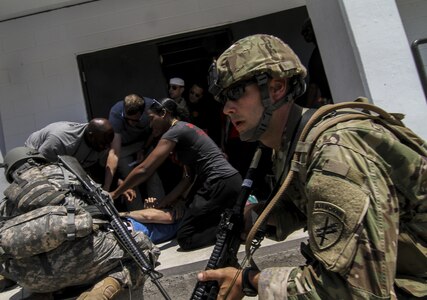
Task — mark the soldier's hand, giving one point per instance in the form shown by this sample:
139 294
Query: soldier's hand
224 277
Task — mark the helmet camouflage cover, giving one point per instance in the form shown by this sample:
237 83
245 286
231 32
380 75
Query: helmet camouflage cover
253 55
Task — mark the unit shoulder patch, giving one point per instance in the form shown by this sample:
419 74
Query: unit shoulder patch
327 224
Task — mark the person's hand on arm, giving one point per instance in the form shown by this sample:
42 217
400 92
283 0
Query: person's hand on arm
112 161
227 288
146 168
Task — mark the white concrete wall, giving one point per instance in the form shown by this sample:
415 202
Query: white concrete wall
39 79
365 51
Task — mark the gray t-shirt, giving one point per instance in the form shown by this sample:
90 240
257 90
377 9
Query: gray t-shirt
196 149
64 138
130 134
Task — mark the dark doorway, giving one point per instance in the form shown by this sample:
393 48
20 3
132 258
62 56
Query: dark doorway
109 75
190 57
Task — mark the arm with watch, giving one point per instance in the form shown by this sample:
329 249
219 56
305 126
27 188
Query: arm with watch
250 277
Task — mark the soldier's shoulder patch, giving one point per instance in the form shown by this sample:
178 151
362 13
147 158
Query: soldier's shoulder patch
327 224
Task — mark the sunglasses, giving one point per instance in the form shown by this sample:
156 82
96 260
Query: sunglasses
155 104
131 120
174 87
235 91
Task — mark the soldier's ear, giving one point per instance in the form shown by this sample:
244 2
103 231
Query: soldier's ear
278 88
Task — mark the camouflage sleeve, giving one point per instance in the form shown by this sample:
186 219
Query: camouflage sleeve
353 220
80 262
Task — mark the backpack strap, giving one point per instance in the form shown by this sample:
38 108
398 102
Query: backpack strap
71 220
337 114
45 195
305 148
295 138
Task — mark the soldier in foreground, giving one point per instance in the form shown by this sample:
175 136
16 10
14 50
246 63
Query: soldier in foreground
361 192
44 256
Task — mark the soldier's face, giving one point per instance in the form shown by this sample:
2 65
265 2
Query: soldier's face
246 111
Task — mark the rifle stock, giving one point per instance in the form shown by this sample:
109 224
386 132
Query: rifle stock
228 237
105 204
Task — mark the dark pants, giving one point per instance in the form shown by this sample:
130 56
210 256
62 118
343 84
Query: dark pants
199 224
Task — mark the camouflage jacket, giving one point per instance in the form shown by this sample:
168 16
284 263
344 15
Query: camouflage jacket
81 261
364 204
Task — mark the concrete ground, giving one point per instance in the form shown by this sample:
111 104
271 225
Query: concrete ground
180 270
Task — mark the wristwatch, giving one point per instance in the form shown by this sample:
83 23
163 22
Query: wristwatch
247 288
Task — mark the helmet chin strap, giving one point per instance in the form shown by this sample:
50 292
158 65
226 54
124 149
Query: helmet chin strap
255 133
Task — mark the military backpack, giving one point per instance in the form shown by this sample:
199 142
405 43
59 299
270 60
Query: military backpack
41 210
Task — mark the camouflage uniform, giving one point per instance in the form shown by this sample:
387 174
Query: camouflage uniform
365 205
362 195
85 260
79 262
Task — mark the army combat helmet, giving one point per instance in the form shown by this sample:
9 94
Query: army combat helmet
16 157
255 59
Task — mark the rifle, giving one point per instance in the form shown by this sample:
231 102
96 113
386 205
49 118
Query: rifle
228 236
105 204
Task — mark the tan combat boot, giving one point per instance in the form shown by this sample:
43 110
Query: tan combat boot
106 289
